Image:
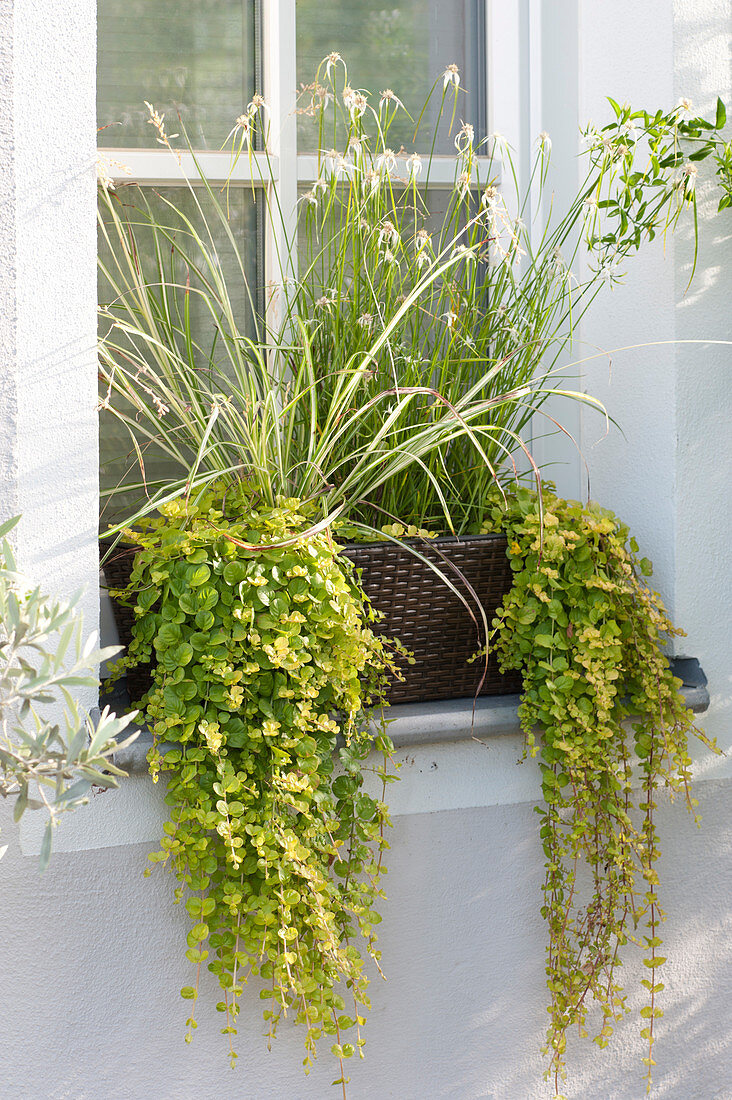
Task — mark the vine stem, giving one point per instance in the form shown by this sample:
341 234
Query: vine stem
198 977
653 915
340 1057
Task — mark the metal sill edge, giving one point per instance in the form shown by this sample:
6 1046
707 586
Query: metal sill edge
413 724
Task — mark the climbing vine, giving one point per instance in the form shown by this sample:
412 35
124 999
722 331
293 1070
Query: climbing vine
585 630
266 671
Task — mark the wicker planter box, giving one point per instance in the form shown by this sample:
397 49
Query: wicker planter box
430 620
418 608
117 570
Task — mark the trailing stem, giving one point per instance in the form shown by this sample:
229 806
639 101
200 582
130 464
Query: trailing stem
586 632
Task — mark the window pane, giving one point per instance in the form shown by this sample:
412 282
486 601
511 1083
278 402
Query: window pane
404 45
353 285
210 331
355 272
194 58
329 247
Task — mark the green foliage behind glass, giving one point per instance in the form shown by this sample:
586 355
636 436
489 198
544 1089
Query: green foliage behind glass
195 61
390 42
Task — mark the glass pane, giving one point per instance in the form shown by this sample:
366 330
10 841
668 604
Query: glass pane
404 45
209 331
193 59
331 249
355 273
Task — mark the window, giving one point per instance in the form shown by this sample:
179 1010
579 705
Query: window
203 62
197 59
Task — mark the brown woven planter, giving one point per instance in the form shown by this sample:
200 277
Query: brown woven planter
430 620
418 608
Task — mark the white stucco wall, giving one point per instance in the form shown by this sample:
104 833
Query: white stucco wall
94 953
91 1011
48 424
8 326
668 476
703 549
634 474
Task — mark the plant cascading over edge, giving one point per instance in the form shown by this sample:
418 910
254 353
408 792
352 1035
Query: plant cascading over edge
264 656
393 383
585 629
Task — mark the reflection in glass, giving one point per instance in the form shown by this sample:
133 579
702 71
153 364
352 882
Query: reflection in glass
119 464
404 45
193 59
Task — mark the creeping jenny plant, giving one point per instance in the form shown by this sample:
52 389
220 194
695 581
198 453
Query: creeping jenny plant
265 659
586 631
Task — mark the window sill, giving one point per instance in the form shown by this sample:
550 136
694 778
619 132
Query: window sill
448 757
412 724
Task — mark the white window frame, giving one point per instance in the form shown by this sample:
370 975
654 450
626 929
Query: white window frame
282 171
513 108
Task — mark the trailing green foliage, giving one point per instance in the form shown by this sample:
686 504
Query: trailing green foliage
603 709
51 753
266 669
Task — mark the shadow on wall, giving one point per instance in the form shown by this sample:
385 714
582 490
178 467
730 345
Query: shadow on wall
694 1038
461 1016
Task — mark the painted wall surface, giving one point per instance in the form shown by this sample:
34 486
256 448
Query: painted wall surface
48 422
94 962
703 550
634 475
94 952
8 399
668 477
